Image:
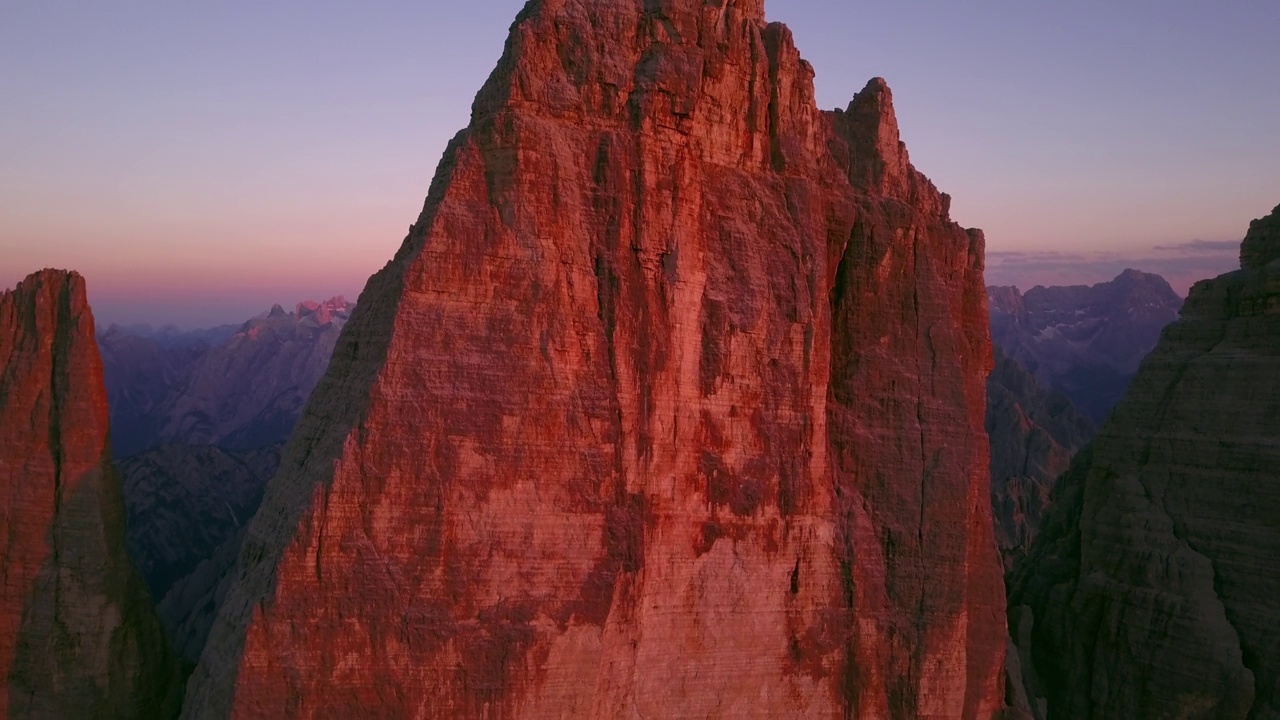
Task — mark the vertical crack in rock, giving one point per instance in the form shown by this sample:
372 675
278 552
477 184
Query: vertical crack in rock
79 637
660 330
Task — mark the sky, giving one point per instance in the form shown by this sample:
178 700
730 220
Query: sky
198 162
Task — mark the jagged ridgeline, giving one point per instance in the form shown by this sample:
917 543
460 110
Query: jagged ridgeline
671 404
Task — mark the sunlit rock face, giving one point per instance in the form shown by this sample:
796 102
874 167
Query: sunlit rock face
1153 589
670 405
78 638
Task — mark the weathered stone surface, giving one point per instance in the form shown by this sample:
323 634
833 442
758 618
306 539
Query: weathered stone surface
1153 589
78 638
1084 341
184 503
670 405
1034 434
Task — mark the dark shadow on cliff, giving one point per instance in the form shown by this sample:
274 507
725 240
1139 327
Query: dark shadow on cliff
337 408
89 644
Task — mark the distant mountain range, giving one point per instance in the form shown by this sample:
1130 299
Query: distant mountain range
1063 358
1084 341
240 388
199 418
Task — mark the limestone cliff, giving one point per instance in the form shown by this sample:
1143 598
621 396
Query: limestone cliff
78 638
1153 590
671 404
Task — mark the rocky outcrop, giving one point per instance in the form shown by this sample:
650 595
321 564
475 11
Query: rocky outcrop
242 394
1084 341
670 405
1262 244
1153 589
78 638
188 609
1034 434
184 503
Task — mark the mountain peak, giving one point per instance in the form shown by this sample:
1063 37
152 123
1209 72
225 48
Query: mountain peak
71 612
880 158
587 386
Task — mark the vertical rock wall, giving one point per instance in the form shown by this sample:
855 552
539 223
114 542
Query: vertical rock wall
1152 591
671 404
78 638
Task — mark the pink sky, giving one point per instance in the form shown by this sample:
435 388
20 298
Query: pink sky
199 162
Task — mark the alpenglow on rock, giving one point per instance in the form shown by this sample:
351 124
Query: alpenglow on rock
1153 589
670 405
78 638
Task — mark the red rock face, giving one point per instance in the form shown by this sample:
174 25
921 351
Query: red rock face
77 636
670 405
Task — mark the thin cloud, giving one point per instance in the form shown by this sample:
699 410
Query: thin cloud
1228 247
1182 265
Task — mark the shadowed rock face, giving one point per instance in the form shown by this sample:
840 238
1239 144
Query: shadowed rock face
1034 434
1084 341
1153 590
78 638
185 503
671 404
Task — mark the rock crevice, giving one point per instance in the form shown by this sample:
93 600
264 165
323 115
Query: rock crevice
618 432
78 637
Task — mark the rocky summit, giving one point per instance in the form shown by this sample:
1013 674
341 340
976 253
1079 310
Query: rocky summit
670 405
1153 589
1085 341
78 638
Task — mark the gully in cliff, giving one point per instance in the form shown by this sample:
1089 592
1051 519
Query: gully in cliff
78 637
670 404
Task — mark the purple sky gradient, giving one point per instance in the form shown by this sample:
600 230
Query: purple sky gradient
201 161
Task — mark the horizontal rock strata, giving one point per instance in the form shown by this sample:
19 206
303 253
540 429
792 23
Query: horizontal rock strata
670 405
